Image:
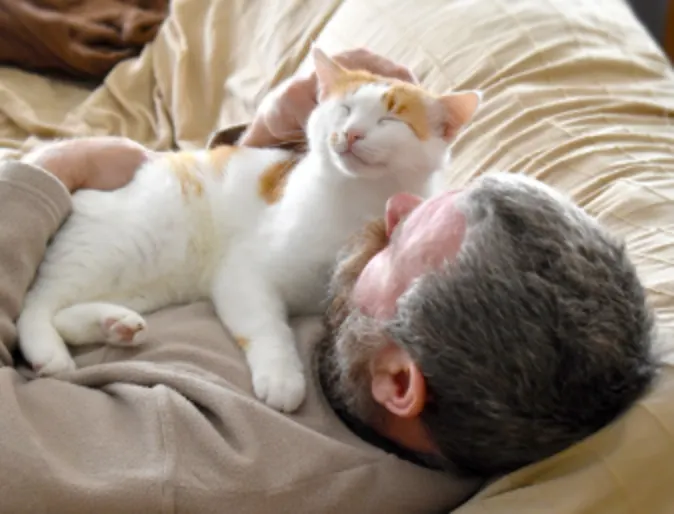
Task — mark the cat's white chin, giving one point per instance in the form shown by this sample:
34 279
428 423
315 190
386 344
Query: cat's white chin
354 166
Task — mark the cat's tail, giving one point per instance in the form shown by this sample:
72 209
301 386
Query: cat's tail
40 342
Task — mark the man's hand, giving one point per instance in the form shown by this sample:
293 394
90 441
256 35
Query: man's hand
103 163
284 112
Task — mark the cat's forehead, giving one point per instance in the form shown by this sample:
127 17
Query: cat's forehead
405 101
373 93
351 81
365 84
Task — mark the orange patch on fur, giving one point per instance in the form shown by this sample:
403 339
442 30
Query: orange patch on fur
273 180
185 166
406 102
242 342
220 155
350 80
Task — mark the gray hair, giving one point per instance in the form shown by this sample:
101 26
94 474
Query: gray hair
535 336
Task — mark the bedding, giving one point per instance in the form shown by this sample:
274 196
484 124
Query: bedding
576 94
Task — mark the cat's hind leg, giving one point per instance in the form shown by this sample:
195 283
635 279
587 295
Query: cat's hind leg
73 270
100 322
40 343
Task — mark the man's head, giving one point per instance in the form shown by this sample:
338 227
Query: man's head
492 326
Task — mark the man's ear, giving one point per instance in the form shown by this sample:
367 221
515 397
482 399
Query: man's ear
328 71
457 110
397 382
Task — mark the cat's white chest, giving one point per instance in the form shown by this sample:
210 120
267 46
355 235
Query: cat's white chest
302 283
300 251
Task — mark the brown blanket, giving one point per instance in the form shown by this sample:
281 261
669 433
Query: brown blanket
77 38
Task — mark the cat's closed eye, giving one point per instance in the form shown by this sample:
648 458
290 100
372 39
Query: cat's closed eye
388 119
345 109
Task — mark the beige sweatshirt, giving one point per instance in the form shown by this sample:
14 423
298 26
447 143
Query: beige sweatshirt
172 426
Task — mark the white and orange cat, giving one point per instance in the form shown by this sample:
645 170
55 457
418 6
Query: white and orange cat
254 230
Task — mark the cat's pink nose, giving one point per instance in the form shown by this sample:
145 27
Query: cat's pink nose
352 136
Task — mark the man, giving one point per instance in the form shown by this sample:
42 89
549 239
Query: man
491 328
511 336
465 333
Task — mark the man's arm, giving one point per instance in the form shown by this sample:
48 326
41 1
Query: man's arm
65 447
34 201
33 204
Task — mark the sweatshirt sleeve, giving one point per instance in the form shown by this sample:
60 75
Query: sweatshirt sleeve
33 205
65 447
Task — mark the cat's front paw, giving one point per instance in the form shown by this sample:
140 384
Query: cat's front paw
58 361
278 375
281 389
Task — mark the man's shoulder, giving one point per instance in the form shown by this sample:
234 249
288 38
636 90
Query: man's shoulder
228 444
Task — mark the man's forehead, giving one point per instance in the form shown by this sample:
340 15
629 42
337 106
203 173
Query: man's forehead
440 218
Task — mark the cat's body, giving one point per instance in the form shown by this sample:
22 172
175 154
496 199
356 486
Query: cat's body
254 230
179 230
178 227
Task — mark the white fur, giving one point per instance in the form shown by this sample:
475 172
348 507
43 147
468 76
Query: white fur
146 246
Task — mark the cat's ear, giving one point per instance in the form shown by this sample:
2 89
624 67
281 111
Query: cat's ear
457 110
328 71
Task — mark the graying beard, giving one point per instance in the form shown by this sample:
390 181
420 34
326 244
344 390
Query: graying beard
344 366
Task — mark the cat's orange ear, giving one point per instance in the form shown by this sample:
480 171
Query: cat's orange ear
458 109
328 71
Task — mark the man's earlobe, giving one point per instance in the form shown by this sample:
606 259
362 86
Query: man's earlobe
397 383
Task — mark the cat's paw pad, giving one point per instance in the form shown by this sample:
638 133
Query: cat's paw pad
57 362
283 390
128 329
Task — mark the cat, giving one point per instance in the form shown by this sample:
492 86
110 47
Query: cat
254 230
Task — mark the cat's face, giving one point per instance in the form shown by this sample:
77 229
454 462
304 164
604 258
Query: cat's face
370 126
